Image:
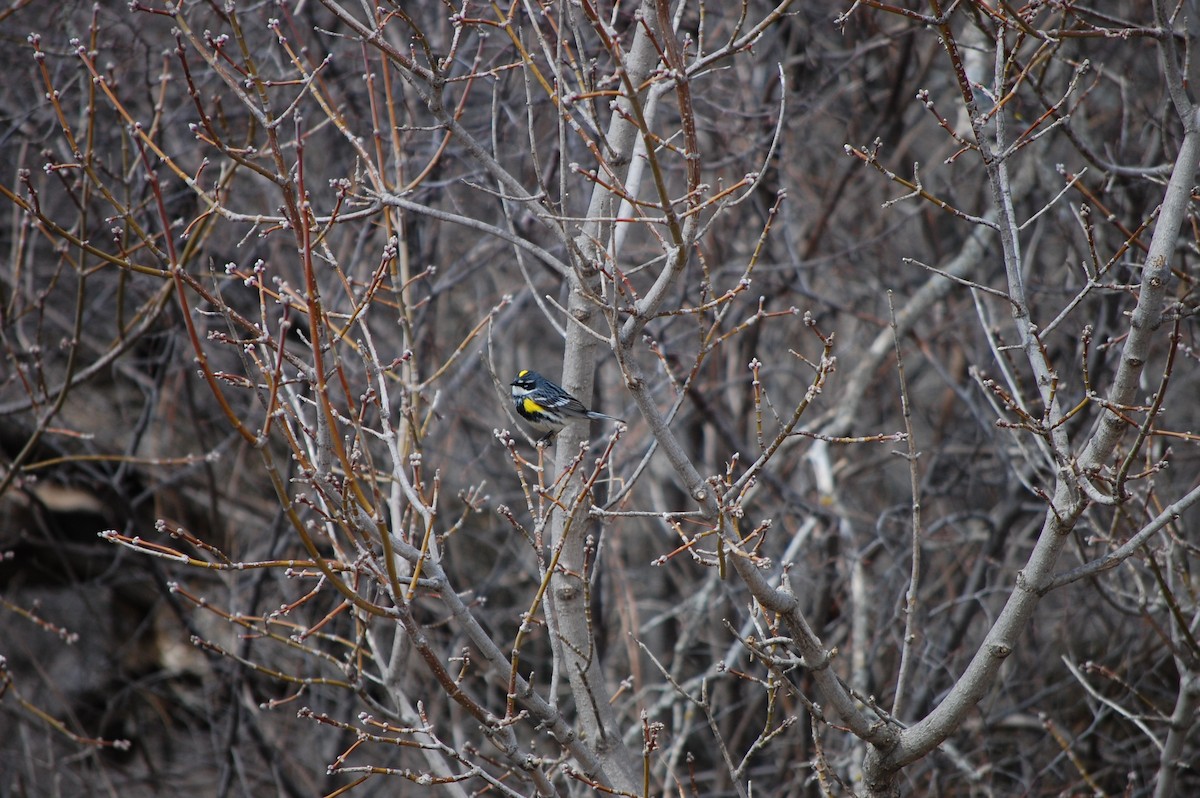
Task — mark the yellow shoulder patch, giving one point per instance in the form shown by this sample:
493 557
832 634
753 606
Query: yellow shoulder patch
532 406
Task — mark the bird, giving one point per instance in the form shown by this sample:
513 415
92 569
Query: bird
546 407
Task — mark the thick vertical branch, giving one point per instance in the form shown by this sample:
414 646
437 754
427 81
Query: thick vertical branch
568 596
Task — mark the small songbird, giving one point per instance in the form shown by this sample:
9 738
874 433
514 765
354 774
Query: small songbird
545 406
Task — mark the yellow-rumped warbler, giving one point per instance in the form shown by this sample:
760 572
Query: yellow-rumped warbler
545 406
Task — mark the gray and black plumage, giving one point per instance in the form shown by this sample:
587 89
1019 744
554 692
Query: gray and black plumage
545 406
